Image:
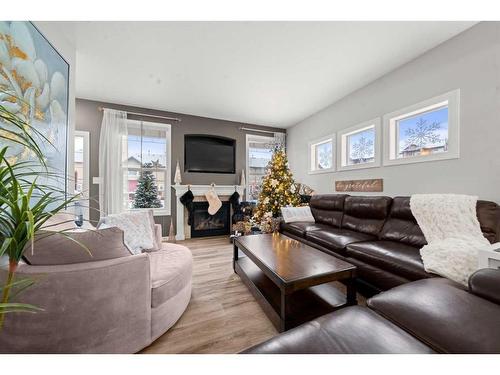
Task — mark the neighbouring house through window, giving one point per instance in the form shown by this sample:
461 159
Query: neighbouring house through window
147 164
423 132
321 155
259 154
359 146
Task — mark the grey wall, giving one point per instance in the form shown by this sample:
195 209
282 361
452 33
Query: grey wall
88 118
469 62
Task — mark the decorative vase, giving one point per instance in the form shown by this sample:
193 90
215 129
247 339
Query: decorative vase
171 233
177 176
243 181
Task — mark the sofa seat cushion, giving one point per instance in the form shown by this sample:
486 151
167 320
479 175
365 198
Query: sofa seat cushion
395 257
336 239
300 228
352 330
377 279
442 314
171 270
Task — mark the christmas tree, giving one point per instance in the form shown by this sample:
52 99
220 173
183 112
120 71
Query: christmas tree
146 194
278 189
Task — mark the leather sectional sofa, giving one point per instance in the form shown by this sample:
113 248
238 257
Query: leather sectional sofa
422 313
426 316
377 234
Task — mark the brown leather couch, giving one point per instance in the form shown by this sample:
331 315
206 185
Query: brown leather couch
432 315
378 234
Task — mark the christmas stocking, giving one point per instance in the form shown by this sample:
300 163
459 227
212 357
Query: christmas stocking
187 200
214 203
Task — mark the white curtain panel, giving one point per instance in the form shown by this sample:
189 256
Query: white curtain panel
112 146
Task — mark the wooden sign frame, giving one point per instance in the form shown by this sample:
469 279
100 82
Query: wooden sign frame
369 185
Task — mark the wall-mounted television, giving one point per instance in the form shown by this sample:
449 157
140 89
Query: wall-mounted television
209 154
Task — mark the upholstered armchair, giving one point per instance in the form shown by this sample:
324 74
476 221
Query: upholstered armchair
117 305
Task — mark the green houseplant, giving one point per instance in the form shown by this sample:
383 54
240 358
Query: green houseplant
25 204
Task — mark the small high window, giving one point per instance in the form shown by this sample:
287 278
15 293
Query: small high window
321 155
359 146
423 132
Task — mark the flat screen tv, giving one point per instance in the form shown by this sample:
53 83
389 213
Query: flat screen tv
209 154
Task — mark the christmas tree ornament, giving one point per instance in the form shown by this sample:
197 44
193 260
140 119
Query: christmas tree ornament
177 176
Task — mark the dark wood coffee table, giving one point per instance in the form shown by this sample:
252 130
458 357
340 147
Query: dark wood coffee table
292 280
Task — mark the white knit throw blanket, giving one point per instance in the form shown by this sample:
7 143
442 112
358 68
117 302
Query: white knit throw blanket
450 226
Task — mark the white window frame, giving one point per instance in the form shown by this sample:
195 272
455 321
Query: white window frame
342 147
270 138
452 99
165 211
86 170
312 154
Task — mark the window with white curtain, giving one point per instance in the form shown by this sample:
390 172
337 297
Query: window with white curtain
147 151
259 154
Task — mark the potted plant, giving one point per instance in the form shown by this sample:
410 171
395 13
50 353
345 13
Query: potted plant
25 204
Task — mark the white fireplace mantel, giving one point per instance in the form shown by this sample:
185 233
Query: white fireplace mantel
198 190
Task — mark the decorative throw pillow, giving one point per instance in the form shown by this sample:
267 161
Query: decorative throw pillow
52 248
294 214
138 227
157 238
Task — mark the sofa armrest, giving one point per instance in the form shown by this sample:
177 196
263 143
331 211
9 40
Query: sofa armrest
93 307
485 283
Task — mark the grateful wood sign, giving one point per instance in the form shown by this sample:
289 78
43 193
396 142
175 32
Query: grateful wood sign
370 185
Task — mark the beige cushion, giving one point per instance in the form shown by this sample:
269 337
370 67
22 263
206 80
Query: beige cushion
139 228
52 248
157 229
154 229
158 239
171 271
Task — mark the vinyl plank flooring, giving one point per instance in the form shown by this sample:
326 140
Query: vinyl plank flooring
222 316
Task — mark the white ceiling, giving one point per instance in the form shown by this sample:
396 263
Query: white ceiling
268 73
